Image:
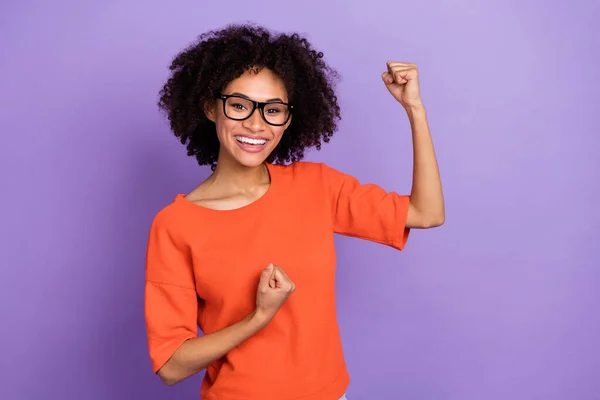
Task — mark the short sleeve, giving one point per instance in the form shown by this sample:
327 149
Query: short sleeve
170 301
366 211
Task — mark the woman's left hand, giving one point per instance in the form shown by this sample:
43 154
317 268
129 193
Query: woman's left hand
402 80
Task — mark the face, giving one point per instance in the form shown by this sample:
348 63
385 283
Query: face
250 141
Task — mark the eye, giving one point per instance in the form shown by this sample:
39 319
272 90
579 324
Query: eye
238 106
275 108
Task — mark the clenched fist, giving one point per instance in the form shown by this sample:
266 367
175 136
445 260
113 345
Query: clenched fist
402 80
274 288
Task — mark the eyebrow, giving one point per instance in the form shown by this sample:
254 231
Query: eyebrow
248 98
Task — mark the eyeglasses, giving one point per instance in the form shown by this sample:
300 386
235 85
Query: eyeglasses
239 108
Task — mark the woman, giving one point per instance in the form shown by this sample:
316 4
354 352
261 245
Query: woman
248 255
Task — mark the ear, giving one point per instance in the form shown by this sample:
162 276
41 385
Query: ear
287 125
209 110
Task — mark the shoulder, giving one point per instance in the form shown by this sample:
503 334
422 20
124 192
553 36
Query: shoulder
306 175
307 171
171 217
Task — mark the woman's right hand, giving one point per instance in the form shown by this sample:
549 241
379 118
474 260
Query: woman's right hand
196 354
274 287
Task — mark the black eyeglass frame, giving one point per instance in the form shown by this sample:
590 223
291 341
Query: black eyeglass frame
255 104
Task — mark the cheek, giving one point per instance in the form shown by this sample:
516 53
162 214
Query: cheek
278 134
224 127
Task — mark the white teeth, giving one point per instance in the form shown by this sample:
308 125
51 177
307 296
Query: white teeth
243 139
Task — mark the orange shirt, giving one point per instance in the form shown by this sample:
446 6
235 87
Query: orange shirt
203 268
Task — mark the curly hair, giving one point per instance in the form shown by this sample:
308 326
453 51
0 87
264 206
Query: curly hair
204 68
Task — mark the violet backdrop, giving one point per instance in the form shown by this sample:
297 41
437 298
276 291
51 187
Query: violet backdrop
499 303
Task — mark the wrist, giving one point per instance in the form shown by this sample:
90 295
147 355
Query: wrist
415 110
258 319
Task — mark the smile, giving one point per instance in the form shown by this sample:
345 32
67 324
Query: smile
247 140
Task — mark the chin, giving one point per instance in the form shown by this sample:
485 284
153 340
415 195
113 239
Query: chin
250 159
250 162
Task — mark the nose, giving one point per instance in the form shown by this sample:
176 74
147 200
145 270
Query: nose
255 122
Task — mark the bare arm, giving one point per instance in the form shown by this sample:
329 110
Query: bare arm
196 354
426 208
274 287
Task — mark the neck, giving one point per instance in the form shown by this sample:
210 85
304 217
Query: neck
235 175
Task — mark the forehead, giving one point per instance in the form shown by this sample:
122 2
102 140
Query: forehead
259 86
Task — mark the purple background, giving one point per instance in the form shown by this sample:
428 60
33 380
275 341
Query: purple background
499 303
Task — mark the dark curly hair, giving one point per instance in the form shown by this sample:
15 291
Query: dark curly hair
204 68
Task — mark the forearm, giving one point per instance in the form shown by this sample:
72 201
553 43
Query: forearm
196 354
426 199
